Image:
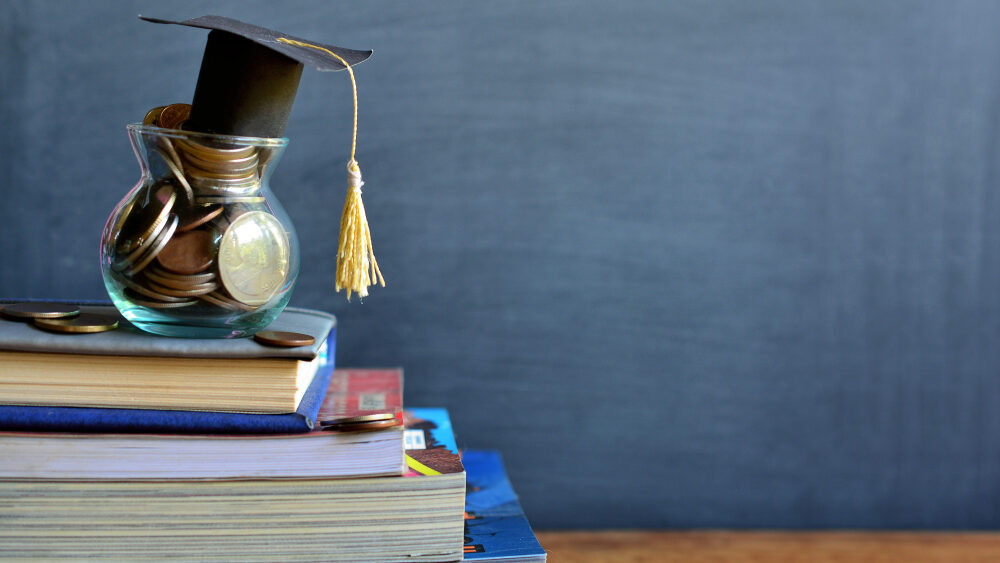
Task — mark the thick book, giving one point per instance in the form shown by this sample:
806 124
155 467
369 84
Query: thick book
495 526
418 516
320 453
130 369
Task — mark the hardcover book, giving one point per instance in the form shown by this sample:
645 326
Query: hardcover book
45 378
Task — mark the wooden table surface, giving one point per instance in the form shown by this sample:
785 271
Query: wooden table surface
640 546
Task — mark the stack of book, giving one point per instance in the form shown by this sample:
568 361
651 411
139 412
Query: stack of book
126 445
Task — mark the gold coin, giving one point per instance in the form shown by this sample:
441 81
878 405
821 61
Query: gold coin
172 116
27 311
254 258
360 418
153 116
85 323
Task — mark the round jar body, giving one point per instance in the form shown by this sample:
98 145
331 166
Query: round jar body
200 247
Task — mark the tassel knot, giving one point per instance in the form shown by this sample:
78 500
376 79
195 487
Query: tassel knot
356 265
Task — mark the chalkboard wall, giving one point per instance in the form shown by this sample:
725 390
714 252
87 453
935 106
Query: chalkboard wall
727 264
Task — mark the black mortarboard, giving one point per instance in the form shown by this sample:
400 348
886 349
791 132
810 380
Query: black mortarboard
248 79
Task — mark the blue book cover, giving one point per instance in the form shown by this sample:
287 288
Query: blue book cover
495 526
80 419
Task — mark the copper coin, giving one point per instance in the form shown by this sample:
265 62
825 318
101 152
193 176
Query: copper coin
362 426
199 219
85 323
283 339
153 116
193 291
188 253
134 287
173 115
28 311
177 281
144 222
216 298
137 299
206 152
154 250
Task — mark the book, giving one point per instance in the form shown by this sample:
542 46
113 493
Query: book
320 453
130 369
415 517
495 526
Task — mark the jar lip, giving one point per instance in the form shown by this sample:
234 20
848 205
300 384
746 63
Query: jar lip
229 139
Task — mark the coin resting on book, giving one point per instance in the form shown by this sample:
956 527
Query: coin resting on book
81 324
283 339
361 423
29 311
203 238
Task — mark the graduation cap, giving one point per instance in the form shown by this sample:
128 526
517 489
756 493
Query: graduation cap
246 87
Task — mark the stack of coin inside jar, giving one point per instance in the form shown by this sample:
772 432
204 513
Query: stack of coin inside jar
201 235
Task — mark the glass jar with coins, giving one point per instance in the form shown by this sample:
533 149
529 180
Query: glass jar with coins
199 247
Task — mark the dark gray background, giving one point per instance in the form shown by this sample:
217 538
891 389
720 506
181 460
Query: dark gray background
692 264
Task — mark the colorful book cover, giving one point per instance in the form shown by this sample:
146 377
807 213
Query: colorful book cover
495 526
80 419
357 392
430 442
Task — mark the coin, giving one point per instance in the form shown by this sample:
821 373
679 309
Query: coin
154 249
192 291
172 116
211 200
147 292
144 223
153 116
139 300
375 417
85 323
216 298
216 153
283 339
28 311
178 281
178 173
254 258
188 253
199 219
362 426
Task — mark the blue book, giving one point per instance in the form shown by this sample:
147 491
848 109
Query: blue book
20 337
495 526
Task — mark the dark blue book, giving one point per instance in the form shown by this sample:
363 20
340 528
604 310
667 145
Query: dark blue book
495 526
19 337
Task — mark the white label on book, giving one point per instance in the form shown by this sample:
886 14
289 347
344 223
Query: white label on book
371 401
414 440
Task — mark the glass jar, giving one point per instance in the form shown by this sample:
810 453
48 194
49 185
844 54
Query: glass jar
200 247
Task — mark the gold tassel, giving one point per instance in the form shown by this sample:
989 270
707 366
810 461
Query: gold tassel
356 265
